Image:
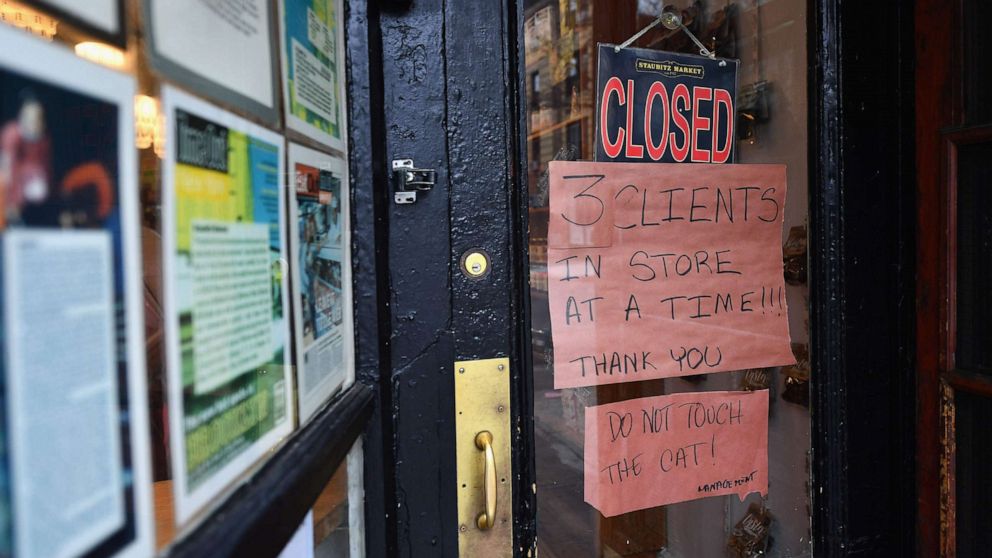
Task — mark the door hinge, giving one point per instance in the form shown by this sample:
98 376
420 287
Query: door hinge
410 180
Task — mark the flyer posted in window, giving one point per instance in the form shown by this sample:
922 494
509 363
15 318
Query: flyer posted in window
312 46
73 360
222 50
226 297
319 248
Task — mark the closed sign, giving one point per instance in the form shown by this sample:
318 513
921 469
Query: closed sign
656 106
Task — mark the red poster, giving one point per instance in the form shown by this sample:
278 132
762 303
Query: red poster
659 270
661 450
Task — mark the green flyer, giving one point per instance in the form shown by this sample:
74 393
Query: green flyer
226 310
312 47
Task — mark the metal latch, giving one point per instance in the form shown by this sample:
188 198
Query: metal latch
409 180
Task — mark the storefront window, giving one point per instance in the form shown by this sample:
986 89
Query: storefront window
769 39
188 244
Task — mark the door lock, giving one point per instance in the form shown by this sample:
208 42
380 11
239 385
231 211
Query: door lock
410 180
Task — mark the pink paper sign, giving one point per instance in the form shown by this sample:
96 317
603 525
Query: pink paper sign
659 270
654 451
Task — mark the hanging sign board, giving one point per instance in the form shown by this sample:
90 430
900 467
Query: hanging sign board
664 107
654 451
661 270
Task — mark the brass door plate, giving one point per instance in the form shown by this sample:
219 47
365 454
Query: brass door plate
482 403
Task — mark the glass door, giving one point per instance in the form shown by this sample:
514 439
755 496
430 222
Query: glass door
560 50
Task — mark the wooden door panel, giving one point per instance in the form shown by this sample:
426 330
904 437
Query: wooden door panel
935 110
954 251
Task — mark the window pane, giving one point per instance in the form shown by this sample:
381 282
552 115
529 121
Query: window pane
973 414
339 512
976 79
974 255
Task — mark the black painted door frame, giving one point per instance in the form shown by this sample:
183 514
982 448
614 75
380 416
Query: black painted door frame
436 81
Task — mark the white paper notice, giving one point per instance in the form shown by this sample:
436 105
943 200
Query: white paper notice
314 86
232 300
62 382
224 41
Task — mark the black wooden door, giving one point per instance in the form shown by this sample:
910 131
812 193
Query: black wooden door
448 91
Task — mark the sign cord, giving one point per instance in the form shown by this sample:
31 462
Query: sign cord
673 22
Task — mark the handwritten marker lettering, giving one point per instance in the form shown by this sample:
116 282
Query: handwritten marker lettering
660 450
661 270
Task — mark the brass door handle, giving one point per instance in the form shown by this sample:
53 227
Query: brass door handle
484 441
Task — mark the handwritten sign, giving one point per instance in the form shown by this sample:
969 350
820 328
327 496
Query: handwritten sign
658 270
654 451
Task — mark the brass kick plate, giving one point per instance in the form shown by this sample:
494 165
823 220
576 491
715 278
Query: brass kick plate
482 403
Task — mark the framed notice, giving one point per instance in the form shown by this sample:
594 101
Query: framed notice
73 355
321 270
312 44
227 334
221 49
104 18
